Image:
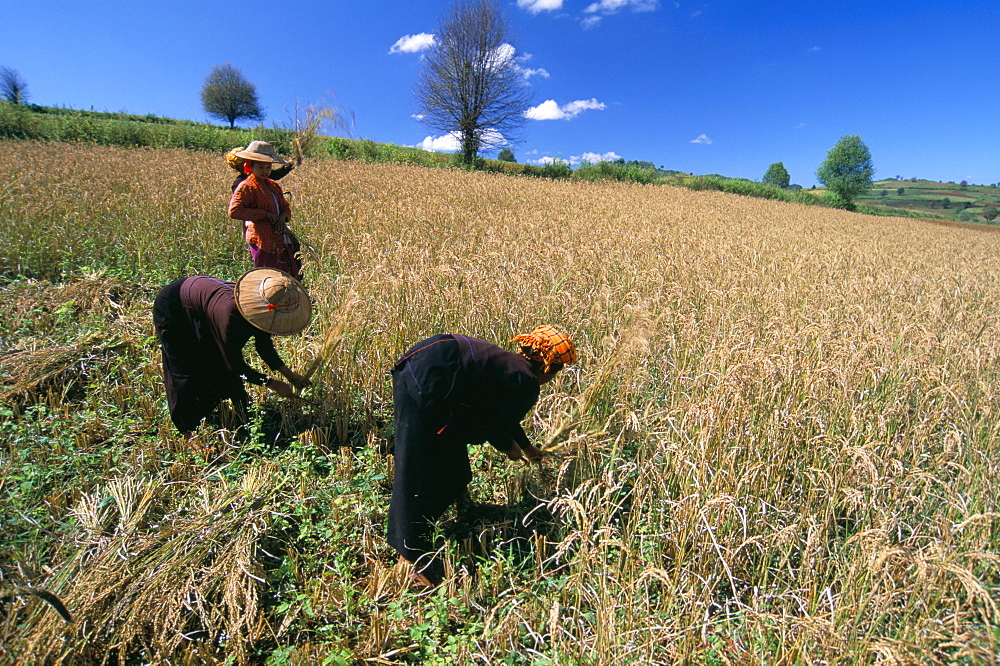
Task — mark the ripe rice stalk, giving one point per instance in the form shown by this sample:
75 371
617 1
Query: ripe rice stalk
626 355
57 369
189 580
334 335
307 122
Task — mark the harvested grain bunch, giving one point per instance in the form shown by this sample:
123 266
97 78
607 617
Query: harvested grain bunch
166 572
29 373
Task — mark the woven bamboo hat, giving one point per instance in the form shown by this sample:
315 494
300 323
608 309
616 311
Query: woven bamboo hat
273 301
261 151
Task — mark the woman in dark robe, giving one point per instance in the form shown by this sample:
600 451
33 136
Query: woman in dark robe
203 323
450 391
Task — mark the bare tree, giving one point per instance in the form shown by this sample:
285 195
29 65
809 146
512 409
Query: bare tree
13 87
228 94
471 84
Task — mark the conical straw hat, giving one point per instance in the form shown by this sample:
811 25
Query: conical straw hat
261 151
273 301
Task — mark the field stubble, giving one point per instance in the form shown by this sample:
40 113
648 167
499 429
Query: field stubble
778 445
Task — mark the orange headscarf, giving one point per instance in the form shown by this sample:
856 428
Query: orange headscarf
547 345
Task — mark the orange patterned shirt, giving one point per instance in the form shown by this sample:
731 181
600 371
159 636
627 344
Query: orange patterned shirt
252 201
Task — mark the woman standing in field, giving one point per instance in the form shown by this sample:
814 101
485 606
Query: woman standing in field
450 391
261 204
203 324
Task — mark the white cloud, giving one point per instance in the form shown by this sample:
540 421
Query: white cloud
547 110
413 43
493 139
594 158
577 160
452 142
550 109
501 56
702 138
596 11
581 105
507 54
814 49
449 143
536 6
615 6
800 126
504 53
528 73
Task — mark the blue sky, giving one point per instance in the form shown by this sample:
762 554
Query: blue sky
724 87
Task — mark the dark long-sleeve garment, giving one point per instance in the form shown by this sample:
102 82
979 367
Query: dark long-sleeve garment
202 335
449 391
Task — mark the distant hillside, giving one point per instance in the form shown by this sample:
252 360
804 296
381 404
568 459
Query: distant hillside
964 203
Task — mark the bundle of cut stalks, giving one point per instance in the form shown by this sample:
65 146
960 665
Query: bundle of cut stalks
36 372
97 294
168 571
308 121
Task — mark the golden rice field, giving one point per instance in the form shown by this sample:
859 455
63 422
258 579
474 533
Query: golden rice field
779 445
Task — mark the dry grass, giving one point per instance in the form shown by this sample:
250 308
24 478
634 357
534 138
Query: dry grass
31 374
779 444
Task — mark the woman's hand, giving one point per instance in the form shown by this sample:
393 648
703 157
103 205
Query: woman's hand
277 221
281 388
297 380
294 378
529 453
532 453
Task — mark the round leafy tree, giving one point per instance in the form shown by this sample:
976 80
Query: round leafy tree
847 170
777 174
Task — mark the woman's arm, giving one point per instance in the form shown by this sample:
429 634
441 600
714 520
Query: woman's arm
265 348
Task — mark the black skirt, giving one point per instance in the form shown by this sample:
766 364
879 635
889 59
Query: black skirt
432 466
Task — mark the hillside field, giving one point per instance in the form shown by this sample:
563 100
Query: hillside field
936 199
779 445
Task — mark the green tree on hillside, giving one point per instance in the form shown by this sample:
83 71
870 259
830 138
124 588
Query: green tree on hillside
506 155
847 170
471 86
777 174
13 87
990 213
228 95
